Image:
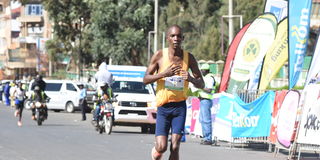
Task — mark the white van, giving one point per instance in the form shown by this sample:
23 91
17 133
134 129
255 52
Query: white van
136 101
63 95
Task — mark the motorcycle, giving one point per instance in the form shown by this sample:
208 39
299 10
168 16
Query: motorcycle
41 111
106 116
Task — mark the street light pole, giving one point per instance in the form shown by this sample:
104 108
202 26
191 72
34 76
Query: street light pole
80 51
155 47
230 22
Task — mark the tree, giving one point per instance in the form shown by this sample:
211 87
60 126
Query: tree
70 18
120 29
198 19
54 49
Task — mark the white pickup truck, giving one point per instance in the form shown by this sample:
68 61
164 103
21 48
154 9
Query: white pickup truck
136 101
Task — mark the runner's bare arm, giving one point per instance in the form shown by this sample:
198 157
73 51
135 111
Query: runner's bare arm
196 78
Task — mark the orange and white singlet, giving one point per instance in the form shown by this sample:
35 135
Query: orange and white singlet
171 89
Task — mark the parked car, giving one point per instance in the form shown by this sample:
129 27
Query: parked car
63 95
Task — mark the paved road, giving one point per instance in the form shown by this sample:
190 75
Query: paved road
64 137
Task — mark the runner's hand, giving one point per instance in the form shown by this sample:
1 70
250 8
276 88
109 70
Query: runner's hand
185 75
172 70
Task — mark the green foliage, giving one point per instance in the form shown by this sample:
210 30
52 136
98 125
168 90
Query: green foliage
54 49
60 74
286 88
70 18
120 29
199 21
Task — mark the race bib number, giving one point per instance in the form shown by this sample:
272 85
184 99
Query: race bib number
20 98
174 83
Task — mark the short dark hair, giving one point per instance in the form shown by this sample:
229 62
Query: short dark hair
174 26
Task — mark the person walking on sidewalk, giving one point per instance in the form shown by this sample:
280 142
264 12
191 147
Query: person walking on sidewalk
169 67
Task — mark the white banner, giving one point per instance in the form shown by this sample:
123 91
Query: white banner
278 7
314 70
309 130
251 50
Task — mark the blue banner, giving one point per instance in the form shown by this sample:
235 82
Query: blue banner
252 119
226 106
299 24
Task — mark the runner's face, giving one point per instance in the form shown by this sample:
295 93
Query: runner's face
175 37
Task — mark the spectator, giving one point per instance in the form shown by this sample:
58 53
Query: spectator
83 101
1 90
7 93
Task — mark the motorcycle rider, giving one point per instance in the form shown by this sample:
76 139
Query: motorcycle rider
103 77
40 96
38 81
104 93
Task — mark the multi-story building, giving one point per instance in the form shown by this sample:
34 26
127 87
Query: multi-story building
315 15
27 29
5 36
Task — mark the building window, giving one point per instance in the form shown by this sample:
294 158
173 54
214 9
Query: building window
33 9
315 10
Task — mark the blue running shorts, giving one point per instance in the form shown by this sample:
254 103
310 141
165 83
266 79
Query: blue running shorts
171 115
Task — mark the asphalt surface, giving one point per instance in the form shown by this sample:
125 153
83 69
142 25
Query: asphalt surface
64 137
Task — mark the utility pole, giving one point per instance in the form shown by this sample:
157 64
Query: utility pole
155 47
230 22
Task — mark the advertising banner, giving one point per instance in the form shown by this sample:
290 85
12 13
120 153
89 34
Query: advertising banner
255 78
230 56
276 56
287 118
309 130
299 25
252 119
278 7
251 50
195 126
314 70
277 104
223 118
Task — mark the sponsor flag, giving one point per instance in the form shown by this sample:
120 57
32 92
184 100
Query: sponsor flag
278 7
276 56
299 24
287 118
314 70
254 79
230 56
280 95
251 50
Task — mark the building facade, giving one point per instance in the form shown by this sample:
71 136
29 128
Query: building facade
22 51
